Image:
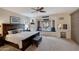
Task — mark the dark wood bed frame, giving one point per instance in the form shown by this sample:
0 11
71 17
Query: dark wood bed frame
25 43
7 27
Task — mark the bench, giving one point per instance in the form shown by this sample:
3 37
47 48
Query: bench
37 40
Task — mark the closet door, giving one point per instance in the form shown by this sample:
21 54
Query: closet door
75 26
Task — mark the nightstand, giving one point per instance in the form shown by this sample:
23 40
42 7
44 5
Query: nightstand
1 40
63 34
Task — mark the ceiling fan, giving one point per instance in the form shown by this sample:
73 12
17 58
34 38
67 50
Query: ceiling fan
39 9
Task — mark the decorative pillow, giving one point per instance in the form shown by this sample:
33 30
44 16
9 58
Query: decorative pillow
14 31
9 32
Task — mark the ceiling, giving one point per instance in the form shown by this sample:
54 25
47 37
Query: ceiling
27 11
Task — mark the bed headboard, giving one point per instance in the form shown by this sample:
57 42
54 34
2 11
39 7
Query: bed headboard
7 27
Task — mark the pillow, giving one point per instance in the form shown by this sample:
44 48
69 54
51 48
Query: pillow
12 32
19 30
9 32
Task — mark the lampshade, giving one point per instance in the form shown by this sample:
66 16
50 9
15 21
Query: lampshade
32 22
59 26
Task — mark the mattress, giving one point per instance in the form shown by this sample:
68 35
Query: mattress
18 37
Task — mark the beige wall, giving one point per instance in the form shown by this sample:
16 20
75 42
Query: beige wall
5 17
67 20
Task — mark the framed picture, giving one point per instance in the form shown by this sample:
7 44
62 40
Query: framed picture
14 20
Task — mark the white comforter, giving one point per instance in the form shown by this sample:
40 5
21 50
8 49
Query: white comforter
17 38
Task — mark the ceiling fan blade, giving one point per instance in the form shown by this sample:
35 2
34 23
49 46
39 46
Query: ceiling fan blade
38 9
42 11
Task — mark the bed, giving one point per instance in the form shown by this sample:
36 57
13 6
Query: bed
19 40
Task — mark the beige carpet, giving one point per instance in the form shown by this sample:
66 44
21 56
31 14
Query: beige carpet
55 44
48 44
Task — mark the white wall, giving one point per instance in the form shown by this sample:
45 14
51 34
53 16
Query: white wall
67 20
5 16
